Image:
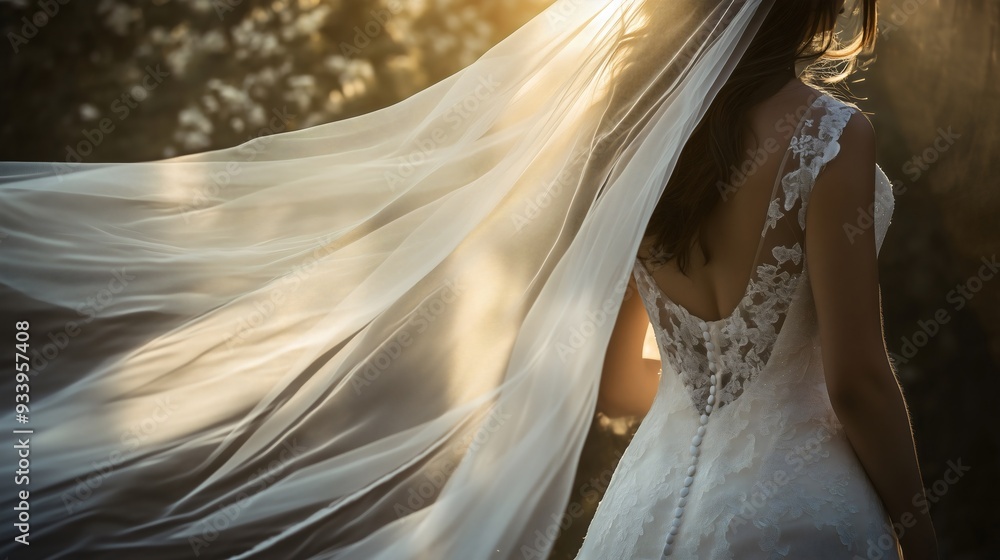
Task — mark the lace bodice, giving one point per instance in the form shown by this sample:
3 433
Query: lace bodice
743 341
739 399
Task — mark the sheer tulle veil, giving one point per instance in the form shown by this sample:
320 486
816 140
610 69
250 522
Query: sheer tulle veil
378 338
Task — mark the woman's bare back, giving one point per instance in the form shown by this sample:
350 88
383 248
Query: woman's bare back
712 291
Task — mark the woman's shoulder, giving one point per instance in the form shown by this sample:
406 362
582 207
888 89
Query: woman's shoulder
846 124
839 121
798 95
836 140
801 103
848 148
855 122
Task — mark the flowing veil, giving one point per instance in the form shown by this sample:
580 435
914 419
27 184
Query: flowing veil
378 338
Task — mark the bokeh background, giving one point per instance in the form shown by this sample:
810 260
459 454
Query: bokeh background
183 76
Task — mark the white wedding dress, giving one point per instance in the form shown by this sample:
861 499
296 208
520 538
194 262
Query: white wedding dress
741 455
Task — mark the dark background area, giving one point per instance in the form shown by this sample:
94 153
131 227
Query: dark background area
219 69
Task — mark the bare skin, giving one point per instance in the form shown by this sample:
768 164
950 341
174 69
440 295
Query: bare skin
863 389
708 291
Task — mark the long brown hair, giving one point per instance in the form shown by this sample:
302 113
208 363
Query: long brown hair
794 32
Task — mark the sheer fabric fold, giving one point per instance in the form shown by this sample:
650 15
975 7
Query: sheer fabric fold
378 338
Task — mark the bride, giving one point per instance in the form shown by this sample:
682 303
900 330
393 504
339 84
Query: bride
798 440
386 337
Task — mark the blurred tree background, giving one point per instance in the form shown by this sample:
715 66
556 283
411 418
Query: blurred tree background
180 76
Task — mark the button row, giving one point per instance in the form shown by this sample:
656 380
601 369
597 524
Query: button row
695 441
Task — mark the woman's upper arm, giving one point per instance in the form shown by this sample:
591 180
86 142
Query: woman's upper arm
843 264
624 354
628 381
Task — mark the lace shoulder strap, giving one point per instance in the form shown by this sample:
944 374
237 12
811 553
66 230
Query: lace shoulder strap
779 259
816 144
815 147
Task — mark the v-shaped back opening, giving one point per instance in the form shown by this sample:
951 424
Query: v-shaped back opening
780 176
